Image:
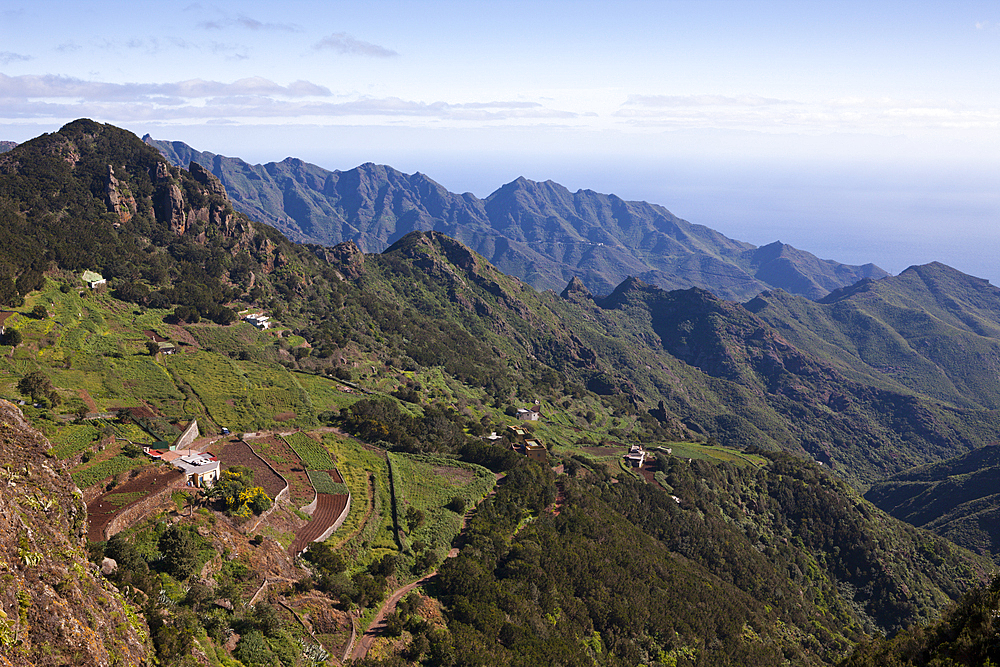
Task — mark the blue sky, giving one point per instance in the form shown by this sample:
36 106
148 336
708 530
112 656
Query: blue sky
860 131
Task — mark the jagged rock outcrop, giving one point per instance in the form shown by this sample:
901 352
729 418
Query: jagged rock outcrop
118 198
55 607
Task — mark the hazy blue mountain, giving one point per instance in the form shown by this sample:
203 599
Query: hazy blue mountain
539 232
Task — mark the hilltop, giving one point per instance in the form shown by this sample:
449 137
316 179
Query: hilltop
538 231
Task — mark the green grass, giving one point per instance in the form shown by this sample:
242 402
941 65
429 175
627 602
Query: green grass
355 461
323 483
428 483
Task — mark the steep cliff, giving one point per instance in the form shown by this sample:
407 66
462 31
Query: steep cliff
55 607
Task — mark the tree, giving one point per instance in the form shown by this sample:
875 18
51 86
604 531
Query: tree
456 504
414 518
152 348
179 552
11 337
39 312
38 387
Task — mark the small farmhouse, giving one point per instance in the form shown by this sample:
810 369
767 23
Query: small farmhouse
259 320
93 279
530 414
636 456
522 443
201 470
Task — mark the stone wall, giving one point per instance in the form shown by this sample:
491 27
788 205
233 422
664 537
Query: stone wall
147 505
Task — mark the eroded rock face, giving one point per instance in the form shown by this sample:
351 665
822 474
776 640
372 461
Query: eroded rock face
55 608
118 199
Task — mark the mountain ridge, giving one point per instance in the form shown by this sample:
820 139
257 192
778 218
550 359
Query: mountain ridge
538 231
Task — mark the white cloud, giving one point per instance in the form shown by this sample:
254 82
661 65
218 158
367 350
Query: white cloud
200 100
7 57
884 116
248 23
666 101
343 43
51 86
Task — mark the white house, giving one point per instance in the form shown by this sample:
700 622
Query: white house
636 456
93 279
201 469
259 320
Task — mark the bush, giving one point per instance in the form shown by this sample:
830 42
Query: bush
456 504
179 552
11 337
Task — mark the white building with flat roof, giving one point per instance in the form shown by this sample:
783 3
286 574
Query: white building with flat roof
201 469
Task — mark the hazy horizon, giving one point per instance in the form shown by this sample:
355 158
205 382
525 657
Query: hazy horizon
858 132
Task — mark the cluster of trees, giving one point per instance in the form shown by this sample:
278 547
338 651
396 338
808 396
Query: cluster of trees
236 492
438 428
38 387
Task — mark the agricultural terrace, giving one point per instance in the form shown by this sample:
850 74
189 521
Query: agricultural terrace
284 459
110 463
239 453
367 532
313 454
244 396
328 509
103 509
427 483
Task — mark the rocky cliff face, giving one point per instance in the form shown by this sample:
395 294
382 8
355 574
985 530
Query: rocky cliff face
55 607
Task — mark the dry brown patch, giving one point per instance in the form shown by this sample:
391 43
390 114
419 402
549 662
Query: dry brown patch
456 476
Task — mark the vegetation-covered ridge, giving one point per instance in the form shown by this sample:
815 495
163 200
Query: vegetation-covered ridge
538 231
958 498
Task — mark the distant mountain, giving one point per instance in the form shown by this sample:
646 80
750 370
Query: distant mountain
539 232
7 145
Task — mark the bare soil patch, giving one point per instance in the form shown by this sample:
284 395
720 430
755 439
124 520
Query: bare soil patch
328 509
239 453
457 476
88 401
284 416
284 459
647 472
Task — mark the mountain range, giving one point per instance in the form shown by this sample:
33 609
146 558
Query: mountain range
745 540
540 232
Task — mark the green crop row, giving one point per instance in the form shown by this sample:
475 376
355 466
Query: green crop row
72 440
325 484
313 454
98 472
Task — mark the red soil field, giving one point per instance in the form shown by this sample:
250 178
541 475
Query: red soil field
100 512
328 508
239 453
284 459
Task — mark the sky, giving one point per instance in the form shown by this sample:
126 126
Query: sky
859 131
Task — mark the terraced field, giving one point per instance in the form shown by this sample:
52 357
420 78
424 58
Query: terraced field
239 453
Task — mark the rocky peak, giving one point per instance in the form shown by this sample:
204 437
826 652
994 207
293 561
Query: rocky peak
576 288
118 198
